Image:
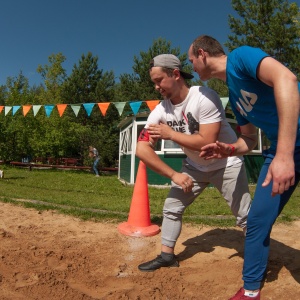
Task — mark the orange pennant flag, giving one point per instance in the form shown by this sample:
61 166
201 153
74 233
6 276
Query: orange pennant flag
152 103
26 109
103 107
61 108
1 108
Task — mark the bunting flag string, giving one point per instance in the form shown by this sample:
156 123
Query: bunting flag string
88 107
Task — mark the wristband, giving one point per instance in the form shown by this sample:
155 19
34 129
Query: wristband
232 149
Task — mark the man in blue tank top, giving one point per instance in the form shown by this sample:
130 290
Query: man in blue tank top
263 93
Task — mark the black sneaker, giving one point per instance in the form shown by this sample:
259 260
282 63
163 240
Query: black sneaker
157 263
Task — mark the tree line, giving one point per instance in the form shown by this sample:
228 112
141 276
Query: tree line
272 25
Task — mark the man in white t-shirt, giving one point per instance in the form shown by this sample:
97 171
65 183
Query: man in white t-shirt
191 117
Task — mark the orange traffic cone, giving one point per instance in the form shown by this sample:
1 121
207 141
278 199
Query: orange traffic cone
139 223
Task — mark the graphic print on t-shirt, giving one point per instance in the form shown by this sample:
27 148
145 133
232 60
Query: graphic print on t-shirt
246 104
181 125
193 124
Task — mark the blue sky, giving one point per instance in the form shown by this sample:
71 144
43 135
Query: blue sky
114 30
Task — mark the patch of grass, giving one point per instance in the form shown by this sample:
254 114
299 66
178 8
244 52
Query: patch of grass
105 198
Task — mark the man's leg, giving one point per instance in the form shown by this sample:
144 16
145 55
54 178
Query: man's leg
263 213
95 166
232 183
174 207
171 228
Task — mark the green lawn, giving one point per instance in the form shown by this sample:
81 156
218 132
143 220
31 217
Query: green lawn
105 198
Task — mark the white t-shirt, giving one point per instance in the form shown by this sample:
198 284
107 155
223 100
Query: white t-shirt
201 106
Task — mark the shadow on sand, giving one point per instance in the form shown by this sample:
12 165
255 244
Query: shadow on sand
280 254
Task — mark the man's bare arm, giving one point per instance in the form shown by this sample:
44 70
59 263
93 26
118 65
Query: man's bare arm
208 133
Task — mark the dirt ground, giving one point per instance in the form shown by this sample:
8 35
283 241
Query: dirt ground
46 255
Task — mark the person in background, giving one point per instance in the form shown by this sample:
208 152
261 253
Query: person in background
263 93
191 117
94 154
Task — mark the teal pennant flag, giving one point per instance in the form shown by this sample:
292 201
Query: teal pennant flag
48 109
15 109
88 107
135 106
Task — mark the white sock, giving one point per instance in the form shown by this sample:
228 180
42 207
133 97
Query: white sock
251 294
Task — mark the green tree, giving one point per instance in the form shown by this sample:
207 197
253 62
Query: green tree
81 85
270 25
89 84
50 135
18 90
105 87
55 136
54 76
14 130
3 94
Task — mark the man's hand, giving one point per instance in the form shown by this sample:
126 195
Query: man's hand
183 180
282 172
161 131
216 150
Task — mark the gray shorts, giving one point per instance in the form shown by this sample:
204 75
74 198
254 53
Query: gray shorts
231 182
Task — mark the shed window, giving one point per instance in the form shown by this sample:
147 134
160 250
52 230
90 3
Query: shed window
126 140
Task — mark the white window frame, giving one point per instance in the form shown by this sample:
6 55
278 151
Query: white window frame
126 140
258 151
174 150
